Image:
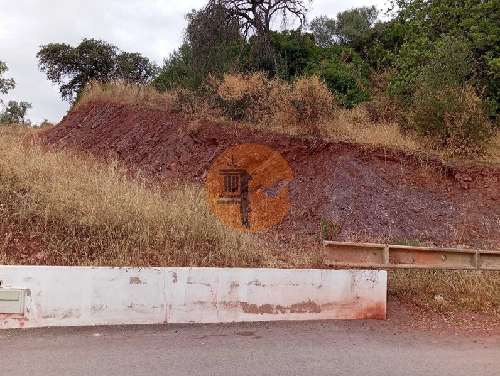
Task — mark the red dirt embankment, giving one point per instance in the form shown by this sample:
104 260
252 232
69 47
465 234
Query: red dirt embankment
372 194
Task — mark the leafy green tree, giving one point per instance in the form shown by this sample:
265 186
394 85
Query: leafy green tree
476 22
421 62
177 71
255 18
294 52
351 28
214 35
6 84
133 67
213 44
345 73
14 113
73 67
324 30
383 44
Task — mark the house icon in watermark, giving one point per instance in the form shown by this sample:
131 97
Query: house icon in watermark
248 187
236 191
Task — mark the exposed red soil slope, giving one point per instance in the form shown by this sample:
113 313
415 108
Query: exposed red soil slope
373 194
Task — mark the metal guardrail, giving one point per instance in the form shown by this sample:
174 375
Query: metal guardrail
371 255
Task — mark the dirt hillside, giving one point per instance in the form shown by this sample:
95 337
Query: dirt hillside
371 194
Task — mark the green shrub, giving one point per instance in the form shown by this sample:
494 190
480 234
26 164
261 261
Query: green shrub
452 117
446 61
345 74
344 85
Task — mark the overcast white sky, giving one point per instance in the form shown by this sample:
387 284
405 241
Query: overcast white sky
151 27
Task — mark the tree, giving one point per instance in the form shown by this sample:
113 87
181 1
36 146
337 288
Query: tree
294 51
212 44
214 36
256 16
14 113
433 64
133 67
92 60
177 71
324 30
6 84
344 72
474 21
351 27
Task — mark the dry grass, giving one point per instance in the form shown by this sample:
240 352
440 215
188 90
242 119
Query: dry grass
253 98
354 126
59 208
124 93
493 150
447 290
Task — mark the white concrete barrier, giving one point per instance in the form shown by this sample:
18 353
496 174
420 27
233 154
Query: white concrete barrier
80 296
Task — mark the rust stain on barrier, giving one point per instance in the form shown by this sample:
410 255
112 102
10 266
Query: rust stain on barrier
305 307
355 310
20 318
71 313
66 314
260 309
374 311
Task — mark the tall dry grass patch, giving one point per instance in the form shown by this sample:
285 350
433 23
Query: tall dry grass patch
122 92
354 126
59 208
248 97
442 290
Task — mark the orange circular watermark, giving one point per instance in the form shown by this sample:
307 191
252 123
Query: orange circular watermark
248 187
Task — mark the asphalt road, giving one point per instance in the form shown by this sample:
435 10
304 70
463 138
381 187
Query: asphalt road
314 348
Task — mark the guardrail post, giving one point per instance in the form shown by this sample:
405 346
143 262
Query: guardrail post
386 254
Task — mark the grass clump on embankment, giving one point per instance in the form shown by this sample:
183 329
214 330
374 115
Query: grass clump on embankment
59 208
444 290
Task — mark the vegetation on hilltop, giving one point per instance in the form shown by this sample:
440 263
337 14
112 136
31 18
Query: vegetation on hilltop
421 52
432 67
74 67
